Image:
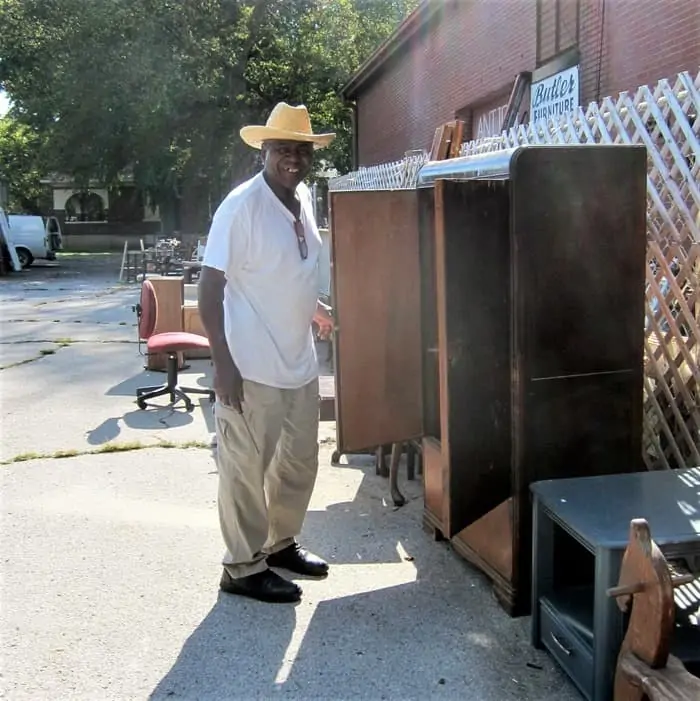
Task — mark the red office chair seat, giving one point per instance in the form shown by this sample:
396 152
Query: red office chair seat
175 341
169 343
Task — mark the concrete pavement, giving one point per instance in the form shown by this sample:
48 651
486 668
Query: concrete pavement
110 561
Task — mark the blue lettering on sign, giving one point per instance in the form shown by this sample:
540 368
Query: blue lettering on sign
555 97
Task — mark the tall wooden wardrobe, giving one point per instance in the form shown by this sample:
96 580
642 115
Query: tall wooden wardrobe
496 312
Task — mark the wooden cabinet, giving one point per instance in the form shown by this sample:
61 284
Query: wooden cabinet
496 311
192 323
378 334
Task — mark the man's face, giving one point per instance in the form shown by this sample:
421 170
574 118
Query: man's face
288 162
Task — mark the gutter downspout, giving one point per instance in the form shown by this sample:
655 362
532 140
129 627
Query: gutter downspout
355 135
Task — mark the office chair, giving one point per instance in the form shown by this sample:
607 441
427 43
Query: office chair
170 344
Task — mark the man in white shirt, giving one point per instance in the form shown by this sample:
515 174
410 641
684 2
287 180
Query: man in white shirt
258 297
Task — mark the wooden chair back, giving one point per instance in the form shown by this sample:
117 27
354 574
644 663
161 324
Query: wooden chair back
646 671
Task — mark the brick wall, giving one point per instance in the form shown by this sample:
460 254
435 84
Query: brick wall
643 41
467 57
470 51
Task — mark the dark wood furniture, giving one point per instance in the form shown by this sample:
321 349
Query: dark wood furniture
496 312
191 271
646 671
581 532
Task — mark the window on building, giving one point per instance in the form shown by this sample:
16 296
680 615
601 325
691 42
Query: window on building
557 28
85 207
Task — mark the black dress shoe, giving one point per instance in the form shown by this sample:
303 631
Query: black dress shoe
296 559
264 586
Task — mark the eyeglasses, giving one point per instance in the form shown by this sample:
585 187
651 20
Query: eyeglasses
301 239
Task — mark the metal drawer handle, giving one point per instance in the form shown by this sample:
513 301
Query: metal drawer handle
561 645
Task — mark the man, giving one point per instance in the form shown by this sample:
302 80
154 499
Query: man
258 297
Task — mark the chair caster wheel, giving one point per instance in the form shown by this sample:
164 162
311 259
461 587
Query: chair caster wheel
141 403
212 398
335 458
189 406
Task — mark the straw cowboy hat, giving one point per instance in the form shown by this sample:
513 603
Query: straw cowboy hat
285 123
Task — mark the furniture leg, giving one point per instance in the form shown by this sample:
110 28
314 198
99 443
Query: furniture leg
171 388
410 461
381 468
397 497
542 566
146 390
199 390
608 623
143 397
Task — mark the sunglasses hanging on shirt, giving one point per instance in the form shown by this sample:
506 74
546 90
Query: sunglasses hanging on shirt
301 239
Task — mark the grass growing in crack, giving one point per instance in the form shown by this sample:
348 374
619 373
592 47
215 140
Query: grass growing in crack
65 454
194 444
106 448
23 457
60 343
18 363
117 448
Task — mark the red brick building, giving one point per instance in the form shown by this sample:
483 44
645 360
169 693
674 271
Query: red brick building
460 58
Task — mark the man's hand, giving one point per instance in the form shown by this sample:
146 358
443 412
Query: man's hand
324 321
228 384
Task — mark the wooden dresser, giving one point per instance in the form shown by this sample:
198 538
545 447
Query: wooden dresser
496 312
192 323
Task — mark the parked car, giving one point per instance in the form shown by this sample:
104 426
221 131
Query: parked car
35 237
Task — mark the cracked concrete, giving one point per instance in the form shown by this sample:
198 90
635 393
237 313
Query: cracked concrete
99 328
111 561
82 375
15 353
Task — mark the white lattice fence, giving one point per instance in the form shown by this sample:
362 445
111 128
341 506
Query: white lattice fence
397 175
665 119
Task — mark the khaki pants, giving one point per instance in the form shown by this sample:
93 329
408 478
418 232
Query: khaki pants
267 459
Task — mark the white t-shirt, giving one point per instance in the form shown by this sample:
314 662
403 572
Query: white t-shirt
271 293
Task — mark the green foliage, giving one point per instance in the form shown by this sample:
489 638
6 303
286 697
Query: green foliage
21 166
160 88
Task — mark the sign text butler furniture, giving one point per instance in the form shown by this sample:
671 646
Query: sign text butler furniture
496 311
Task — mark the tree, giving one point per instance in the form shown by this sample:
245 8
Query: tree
160 88
21 167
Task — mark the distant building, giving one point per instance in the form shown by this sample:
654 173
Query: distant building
460 58
100 218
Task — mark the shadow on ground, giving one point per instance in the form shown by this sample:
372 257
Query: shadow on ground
159 416
387 627
145 420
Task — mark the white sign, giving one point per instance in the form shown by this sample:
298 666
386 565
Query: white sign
555 96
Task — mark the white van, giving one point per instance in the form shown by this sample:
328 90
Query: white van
35 237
